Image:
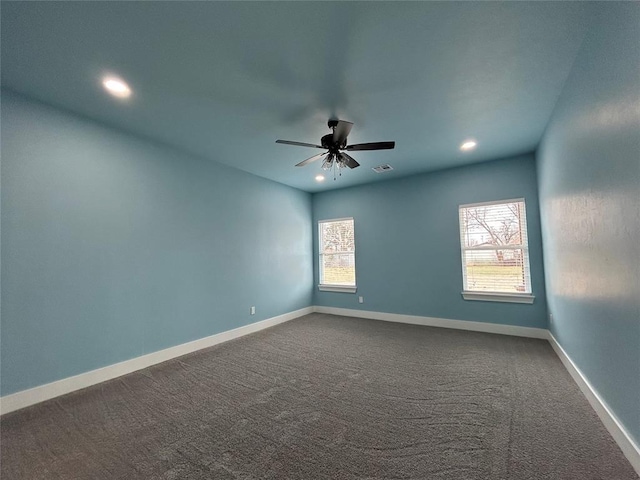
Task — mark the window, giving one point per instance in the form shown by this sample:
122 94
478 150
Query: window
495 252
337 255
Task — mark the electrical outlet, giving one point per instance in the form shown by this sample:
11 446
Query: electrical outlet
550 318
252 310
360 299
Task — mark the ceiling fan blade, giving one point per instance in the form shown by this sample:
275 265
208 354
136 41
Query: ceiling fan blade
349 161
299 144
341 131
371 146
311 159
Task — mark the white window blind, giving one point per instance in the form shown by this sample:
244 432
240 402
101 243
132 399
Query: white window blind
337 252
495 249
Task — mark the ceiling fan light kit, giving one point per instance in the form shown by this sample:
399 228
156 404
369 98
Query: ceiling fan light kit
336 143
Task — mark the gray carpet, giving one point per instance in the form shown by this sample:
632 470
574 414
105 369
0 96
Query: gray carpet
326 397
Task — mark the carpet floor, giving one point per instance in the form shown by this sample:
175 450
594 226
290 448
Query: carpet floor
325 397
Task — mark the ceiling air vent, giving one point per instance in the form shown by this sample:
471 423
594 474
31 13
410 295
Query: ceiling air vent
382 168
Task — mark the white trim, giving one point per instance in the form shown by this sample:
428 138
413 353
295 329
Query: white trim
492 202
338 288
626 443
41 393
499 297
496 247
38 394
513 330
329 220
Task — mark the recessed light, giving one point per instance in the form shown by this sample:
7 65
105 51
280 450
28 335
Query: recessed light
116 87
468 145
319 178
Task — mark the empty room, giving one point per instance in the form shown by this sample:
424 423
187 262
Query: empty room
320 240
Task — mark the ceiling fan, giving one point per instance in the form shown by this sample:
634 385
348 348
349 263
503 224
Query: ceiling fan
336 144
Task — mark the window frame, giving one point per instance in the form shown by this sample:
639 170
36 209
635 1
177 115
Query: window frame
328 287
494 296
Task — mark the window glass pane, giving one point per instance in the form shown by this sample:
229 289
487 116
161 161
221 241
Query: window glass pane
496 271
337 237
490 237
338 269
493 225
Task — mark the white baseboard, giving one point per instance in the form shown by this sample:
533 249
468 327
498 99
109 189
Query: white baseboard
438 322
38 394
25 398
629 448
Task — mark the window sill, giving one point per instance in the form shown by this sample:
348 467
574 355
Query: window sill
337 288
499 297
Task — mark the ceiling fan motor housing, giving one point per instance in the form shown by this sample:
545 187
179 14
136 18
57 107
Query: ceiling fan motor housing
327 141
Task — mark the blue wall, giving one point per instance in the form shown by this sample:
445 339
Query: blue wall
113 247
408 248
589 174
